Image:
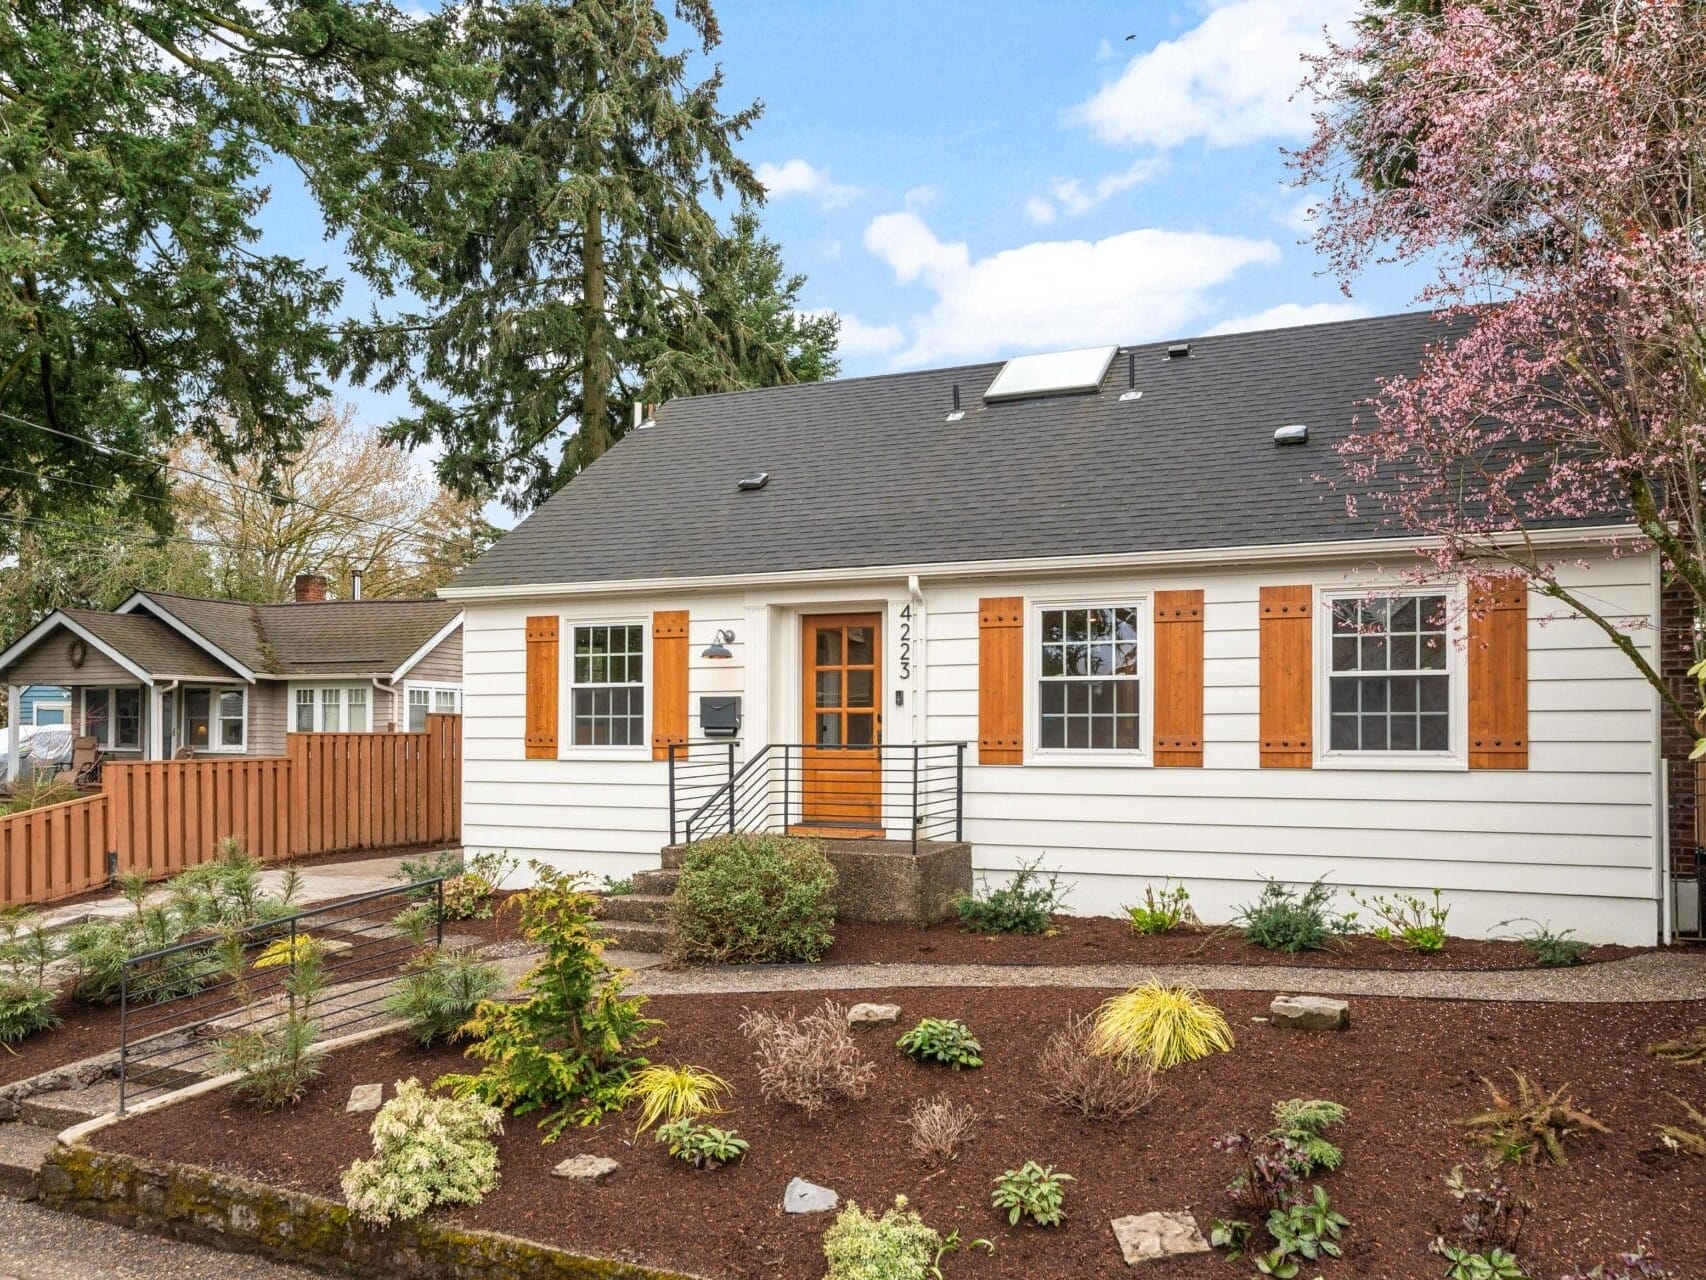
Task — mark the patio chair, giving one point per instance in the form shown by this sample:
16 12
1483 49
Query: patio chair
85 766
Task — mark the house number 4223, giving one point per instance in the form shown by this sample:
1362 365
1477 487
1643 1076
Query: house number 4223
906 642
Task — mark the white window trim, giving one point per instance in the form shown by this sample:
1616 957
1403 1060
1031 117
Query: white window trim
1091 757
566 745
56 704
1456 759
77 721
432 688
214 746
317 690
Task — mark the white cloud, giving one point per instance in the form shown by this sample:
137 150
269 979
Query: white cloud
1074 197
1290 314
800 178
1039 210
1053 294
861 339
1231 79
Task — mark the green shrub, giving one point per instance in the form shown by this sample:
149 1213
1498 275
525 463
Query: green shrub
1305 1230
26 1001
1416 923
426 1151
1283 919
440 990
896 1246
1025 904
275 1059
1032 1191
568 1046
38 791
1162 911
469 883
1550 950
752 898
945 1040
704 1146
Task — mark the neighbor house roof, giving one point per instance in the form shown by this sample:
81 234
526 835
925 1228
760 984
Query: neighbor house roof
150 644
868 471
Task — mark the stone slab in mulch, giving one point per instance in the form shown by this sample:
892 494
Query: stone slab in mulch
1407 1070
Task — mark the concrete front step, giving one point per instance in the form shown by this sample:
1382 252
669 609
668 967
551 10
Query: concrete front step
23 1148
62 1109
632 935
663 881
636 908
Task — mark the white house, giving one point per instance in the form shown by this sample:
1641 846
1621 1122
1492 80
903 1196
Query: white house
1117 578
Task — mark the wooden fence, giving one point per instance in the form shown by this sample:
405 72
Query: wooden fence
331 792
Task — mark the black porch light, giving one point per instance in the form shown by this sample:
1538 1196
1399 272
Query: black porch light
719 647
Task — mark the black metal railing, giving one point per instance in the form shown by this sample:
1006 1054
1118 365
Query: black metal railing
178 1004
697 771
916 789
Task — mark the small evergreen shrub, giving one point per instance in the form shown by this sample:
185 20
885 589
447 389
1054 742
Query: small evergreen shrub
440 989
1025 904
276 1059
1162 911
896 1246
1549 950
427 1151
26 1001
945 1040
1032 1191
1284 919
570 1045
1161 1025
704 1146
752 898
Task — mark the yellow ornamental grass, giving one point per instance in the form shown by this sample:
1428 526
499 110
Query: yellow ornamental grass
1164 1025
673 1093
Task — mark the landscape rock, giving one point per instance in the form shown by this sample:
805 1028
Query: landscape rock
365 1097
1148 1237
873 1015
807 1197
1310 1013
587 1169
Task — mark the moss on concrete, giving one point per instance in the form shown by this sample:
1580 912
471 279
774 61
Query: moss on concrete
184 1202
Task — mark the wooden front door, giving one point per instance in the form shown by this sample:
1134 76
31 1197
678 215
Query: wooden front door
841 774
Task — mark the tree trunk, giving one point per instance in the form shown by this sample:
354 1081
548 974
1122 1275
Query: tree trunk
595 381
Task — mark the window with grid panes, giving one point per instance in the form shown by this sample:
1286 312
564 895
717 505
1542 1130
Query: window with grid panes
1389 684
608 677
1087 691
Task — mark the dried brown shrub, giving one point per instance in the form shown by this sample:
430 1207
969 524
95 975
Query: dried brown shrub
807 1062
1688 1138
1690 1047
1096 1086
1521 1124
939 1126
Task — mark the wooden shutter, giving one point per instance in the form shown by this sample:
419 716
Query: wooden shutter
669 681
1498 674
542 699
1178 678
1287 676
1001 680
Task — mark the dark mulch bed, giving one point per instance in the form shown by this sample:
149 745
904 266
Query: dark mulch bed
1110 940
88 1030
1407 1069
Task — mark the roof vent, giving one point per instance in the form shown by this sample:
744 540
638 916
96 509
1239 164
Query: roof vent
1296 433
757 480
1058 373
1131 392
1178 351
956 413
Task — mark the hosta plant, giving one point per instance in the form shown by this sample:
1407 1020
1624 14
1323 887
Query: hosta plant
704 1146
1032 1191
427 1150
943 1040
1303 1231
1165 1025
668 1094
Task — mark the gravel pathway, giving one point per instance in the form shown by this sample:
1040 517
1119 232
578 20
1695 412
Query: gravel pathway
38 1244
1651 976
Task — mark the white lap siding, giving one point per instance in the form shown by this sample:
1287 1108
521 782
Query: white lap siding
1569 840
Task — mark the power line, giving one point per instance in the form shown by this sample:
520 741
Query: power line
235 484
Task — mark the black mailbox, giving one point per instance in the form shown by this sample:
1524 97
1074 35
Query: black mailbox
719 717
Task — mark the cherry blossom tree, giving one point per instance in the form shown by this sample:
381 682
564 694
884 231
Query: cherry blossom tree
1548 157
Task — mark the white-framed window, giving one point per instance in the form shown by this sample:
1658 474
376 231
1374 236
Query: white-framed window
216 718
1090 662
607 685
113 717
51 713
1393 680
421 699
323 708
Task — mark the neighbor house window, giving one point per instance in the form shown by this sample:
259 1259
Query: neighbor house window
609 695
437 699
305 710
331 708
1087 690
1389 679
113 718
215 719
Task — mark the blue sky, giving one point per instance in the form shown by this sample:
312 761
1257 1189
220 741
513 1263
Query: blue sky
966 181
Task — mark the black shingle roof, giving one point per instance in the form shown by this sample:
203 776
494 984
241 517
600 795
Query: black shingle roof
367 637
865 471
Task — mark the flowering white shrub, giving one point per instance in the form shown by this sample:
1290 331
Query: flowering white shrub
427 1150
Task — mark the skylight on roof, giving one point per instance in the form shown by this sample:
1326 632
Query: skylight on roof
1056 373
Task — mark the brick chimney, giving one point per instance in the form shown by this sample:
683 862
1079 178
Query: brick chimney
310 588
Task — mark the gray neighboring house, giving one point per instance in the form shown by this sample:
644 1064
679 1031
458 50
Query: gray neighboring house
164 675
